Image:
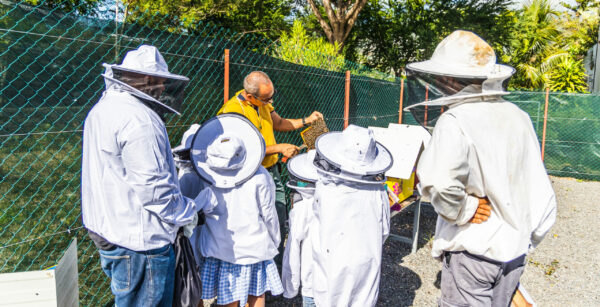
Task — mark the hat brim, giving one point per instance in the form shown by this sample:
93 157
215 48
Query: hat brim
140 94
329 146
211 130
450 100
301 166
432 67
166 75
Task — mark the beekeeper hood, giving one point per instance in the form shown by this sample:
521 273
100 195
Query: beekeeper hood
462 69
186 143
181 153
303 173
227 150
352 155
145 74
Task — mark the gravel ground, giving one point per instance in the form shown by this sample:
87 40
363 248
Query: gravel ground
563 271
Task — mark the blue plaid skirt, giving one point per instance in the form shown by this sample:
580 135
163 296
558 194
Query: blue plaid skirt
234 282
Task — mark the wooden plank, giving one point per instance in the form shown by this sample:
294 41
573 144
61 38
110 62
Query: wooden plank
397 208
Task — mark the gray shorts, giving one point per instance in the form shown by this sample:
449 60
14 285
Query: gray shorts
469 280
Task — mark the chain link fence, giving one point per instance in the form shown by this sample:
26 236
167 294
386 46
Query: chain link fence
50 77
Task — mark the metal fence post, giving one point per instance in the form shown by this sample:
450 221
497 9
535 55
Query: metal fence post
545 121
226 78
347 100
401 101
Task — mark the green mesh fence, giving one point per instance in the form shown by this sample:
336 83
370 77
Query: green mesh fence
572 131
50 67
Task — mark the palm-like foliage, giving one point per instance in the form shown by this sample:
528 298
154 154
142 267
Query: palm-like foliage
533 48
547 45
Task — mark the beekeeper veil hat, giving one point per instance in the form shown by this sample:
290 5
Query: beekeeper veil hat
145 74
302 172
462 69
352 155
227 150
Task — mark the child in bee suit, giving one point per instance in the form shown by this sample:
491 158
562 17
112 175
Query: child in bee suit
352 216
482 148
190 183
240 237
297 258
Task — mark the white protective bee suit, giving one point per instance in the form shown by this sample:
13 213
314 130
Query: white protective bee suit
353 223
190 183
129 187
352 216
297 258
481 146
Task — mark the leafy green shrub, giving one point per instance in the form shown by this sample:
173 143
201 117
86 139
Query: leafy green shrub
300 48
568 76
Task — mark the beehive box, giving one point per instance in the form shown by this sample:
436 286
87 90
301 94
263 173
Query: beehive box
55 287
402 188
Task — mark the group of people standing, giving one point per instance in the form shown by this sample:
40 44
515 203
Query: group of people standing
481 171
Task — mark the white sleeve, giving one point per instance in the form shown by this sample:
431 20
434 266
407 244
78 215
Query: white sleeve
385 216
206 200
266 201
148 169
290 273
443 171
546 221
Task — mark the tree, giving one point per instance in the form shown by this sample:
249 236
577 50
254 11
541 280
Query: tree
341 16
547 46
581 5
390 34
532 49
300 48
84 7
579 29
264 17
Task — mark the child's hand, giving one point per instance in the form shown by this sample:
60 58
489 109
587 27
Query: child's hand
484 210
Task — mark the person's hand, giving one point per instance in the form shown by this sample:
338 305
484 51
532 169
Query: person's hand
314 117
484 210
289 150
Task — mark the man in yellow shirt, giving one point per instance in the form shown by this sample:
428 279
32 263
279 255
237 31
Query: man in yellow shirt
255 103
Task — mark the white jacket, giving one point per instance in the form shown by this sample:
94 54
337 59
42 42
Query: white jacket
298 258
487 149
129 189
243 228
352 221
